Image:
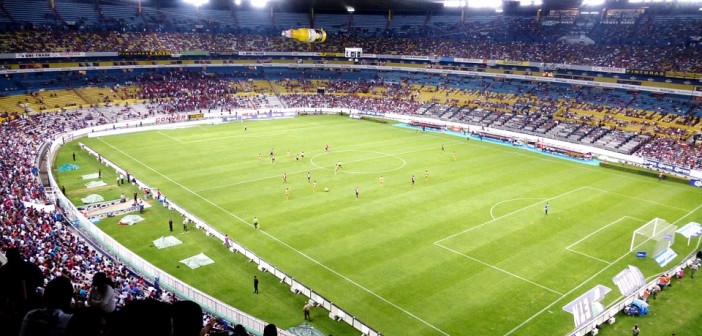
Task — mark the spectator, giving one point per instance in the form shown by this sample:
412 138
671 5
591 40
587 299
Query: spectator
102 293
55 317
19 282
270 330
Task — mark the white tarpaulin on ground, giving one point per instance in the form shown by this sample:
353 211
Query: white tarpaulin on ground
95 184
197 261
164 242
131 219
91 176
92 198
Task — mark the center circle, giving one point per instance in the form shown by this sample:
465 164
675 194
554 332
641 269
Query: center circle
358 161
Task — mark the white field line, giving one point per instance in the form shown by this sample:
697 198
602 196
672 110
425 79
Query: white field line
569 247
589 256
505 215
438 242
584 282
499 269
510 200
284 244
638 199
170 137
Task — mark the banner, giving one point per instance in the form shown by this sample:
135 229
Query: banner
665 257
654 164
144 53
418 58
587 306
629 280
609 69
645 72
696 183
511 62
50 55
469 60
195 53
684 75
252 53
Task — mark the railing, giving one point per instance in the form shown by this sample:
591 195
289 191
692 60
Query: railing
607 316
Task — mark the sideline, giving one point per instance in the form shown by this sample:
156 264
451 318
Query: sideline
282 242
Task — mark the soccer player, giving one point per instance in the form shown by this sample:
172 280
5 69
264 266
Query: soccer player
287 193
442 147
302 155
326 148
259 156
357 192
381 181
309 177
255 223
285 177
426 175
413 180
454 155
289 153
314 186
336 168
546 208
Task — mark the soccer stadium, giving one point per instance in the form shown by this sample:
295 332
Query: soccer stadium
312 168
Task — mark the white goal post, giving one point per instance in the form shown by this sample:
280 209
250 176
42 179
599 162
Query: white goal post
653 237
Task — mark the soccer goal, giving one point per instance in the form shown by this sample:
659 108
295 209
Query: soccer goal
653 237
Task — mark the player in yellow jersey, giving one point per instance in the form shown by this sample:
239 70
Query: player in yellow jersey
381 181
426 175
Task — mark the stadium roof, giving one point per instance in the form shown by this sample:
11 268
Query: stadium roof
358 5
413 6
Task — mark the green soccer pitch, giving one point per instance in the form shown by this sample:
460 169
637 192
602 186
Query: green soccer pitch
468 251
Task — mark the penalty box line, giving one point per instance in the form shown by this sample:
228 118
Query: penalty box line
585 282
303 254
499 269
570 247
438 243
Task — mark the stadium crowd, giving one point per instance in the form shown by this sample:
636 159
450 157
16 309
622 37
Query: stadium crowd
55 254
588 113
633 46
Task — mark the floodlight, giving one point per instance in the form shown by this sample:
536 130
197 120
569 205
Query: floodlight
237 2
484 4
649 1
196 3
593 2
350 9
530 2
259 3
454 3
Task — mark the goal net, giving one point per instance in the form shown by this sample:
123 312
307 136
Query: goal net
653 237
